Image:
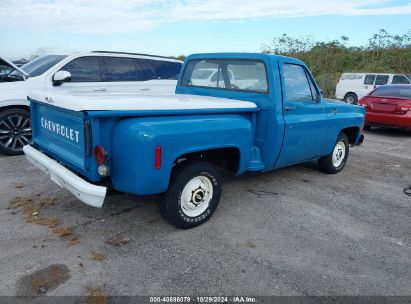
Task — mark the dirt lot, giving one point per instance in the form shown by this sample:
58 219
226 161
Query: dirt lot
294 231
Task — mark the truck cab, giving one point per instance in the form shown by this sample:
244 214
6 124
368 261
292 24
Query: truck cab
264 112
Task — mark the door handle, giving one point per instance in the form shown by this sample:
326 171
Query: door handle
145 89
334 110
100 90
287 108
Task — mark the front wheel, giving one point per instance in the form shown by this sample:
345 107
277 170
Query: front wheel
335 162
193 195
15 131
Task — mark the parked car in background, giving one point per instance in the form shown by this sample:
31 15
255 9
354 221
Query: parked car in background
91 72
388 105
353 86
8 67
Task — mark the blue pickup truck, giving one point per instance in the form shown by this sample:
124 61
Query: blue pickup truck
231 111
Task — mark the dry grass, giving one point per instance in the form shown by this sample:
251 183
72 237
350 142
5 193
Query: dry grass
74 241
97 256
50 222
250 245
31 211
63 231
96 296
118 241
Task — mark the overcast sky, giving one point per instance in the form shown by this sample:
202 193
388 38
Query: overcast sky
177 27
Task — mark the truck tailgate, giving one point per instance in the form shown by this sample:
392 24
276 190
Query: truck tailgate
60 133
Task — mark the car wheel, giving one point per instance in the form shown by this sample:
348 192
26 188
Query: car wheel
335 162
351 98
15 131
193 195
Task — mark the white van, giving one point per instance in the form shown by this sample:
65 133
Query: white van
353 86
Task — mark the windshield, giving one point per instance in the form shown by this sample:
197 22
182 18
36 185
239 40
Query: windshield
40 65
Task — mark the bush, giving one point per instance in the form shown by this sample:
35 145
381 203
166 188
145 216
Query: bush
328 60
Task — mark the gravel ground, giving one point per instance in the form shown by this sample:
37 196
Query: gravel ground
293 231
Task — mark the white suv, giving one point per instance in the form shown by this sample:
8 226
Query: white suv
354 86
92 72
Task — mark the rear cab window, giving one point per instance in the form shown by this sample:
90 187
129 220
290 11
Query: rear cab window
227 74
392 91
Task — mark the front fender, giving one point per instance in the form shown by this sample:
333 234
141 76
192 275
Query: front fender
134 141
345 117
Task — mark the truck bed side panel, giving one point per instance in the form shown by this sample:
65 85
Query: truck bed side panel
134 141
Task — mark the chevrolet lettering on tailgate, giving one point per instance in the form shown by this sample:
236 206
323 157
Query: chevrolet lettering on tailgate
59 129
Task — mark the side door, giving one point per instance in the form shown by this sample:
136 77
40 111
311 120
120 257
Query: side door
123 75
368 86
86 76
305 116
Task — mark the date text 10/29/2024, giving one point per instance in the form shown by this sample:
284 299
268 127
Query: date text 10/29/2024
235 299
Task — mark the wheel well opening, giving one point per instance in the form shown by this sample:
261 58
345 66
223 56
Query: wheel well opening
27 108
352 134
350 93
227 159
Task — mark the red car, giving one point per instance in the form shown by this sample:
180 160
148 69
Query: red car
388 105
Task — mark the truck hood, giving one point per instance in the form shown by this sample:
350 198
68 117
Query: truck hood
344 107
118 101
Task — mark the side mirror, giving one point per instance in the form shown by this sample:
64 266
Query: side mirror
60 77
322 93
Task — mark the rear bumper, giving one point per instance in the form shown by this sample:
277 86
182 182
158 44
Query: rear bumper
86 192
393 120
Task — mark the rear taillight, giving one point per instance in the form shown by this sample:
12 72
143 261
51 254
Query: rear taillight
362 103
405 107
99 155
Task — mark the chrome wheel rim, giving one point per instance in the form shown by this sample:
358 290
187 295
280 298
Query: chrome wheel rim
196 196
338 154
15 132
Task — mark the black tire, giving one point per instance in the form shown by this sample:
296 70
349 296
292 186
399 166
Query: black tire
367 127
326 163
171 207
351 98
15 131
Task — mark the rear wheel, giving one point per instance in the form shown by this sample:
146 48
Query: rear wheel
15 131
335 162
351 98
193 195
